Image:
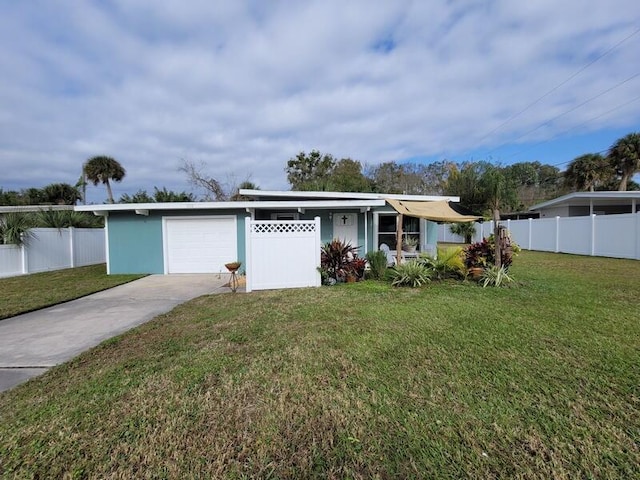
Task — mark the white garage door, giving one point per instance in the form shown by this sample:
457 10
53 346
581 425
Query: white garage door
199 244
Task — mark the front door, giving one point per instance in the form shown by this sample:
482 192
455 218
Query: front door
345 228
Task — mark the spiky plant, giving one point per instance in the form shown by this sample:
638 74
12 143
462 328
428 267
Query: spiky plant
15 228
410 274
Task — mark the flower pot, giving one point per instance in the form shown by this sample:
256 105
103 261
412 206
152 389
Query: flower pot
476 272
233 266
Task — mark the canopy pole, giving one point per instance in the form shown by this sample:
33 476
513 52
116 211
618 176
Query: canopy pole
398 238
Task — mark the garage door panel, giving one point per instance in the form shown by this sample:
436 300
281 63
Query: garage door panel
200 245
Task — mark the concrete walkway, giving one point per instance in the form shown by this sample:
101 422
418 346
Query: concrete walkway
34 342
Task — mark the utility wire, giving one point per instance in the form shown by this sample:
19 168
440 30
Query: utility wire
571 77
570 110
618 107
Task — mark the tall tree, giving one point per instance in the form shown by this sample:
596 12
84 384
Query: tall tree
625 158
392 177
464 181
102 169
213 189
310 172
588 172
347 176
435 176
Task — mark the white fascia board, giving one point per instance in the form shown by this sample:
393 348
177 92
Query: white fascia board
274 204
346 195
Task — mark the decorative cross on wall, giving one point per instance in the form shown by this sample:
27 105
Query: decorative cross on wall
344 219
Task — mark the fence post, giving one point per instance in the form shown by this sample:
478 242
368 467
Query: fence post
593 234
247 254
24 259
557 248
318 247
638 235
530 232
72 247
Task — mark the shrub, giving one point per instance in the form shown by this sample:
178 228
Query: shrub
410 274
495 277
377 264
338 260
479 254
465 229
449 263
15 228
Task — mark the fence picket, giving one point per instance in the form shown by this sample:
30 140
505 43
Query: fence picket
53 249
616 236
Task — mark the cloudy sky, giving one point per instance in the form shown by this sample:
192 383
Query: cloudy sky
242 86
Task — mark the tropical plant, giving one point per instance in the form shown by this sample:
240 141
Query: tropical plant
588 172
15 228
61 194
464 229
493 276
449 263
410 274
66 219
336 260
101 169
625 158
479 254
377 264
410 243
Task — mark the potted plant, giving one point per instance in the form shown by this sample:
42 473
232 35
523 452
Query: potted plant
477 256
409 244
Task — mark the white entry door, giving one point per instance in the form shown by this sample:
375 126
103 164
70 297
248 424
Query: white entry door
345 228
199 244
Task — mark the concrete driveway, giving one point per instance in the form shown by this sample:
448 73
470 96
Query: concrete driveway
34 342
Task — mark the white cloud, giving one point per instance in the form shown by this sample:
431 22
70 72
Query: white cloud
244 86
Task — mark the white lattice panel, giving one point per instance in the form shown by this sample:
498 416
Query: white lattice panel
283 227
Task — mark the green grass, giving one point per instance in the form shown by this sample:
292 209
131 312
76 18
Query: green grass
31 292
355 381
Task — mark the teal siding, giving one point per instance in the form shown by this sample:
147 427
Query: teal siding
135 243
432 233
242 243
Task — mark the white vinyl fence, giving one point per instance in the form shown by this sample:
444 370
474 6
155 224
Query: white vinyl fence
282 254
53 249
616 236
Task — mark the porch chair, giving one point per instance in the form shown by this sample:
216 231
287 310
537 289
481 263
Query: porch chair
391 259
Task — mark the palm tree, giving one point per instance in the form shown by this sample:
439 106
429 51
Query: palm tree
625 157
588 172
246 185
61 194
101 169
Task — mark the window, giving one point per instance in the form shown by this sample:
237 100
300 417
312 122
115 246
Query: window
285 216
387 229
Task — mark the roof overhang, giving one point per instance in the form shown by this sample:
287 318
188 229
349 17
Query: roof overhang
33 208
585 198
145 208
343 195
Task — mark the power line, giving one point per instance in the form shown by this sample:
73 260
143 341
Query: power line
574 127
571 77
570 110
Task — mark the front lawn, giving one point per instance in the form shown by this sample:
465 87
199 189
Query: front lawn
39 290
355 381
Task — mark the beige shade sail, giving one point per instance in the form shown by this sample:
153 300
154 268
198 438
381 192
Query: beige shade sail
436 211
